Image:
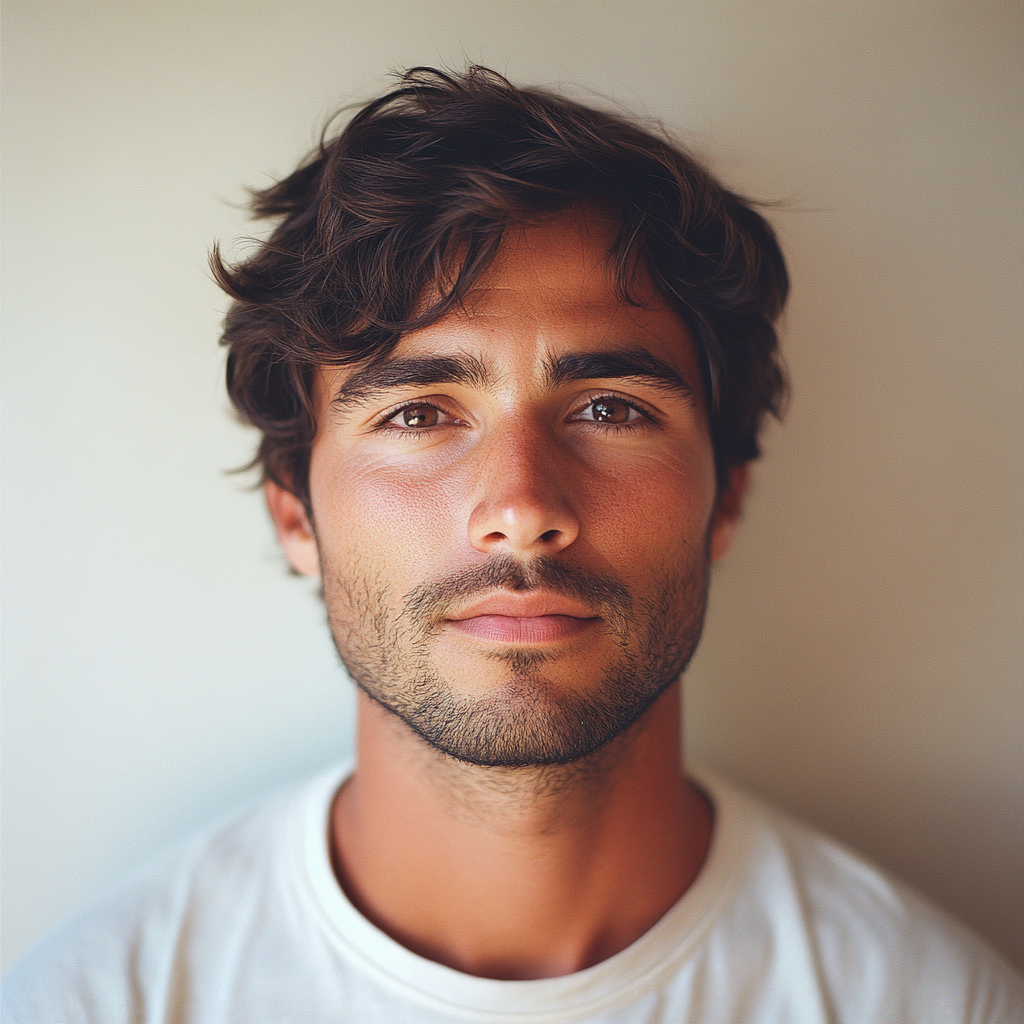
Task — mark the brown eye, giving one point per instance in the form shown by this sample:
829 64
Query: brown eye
419 416
607 410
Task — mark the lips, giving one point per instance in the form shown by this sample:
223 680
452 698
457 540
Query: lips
531 618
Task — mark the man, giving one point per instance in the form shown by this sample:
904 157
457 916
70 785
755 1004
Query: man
509 357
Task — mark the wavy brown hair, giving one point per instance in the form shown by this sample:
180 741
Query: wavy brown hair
413 198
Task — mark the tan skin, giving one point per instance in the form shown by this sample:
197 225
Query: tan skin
518 873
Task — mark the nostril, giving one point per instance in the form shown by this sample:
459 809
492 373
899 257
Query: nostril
549 535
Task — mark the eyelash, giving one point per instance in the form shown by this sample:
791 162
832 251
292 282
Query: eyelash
383 422
646 417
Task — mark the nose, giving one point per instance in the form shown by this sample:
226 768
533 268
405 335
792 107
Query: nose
523 505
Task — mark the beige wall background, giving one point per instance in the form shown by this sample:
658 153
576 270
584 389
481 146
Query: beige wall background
862 664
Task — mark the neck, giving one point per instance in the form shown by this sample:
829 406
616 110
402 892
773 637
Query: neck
518 872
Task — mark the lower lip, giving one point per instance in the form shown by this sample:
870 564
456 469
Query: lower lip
506 629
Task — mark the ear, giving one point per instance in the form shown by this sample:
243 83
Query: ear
728 509
294 530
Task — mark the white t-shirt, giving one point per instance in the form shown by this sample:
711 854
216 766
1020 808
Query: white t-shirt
248 925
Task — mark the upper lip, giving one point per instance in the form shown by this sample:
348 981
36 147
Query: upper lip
527 605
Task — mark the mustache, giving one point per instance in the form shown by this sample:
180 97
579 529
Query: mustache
429 603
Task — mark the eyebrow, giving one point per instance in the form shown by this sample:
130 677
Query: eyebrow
421 371
636 364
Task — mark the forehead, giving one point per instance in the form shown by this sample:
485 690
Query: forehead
551 289
561 260
549 296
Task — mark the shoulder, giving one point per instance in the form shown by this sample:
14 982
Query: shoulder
124 958
874 948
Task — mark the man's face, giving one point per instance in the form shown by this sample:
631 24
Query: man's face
514 514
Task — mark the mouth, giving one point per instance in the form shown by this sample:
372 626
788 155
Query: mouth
528 619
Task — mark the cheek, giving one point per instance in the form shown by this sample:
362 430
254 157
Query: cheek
655 505
383 515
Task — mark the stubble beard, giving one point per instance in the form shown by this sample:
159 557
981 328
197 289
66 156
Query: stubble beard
527 721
